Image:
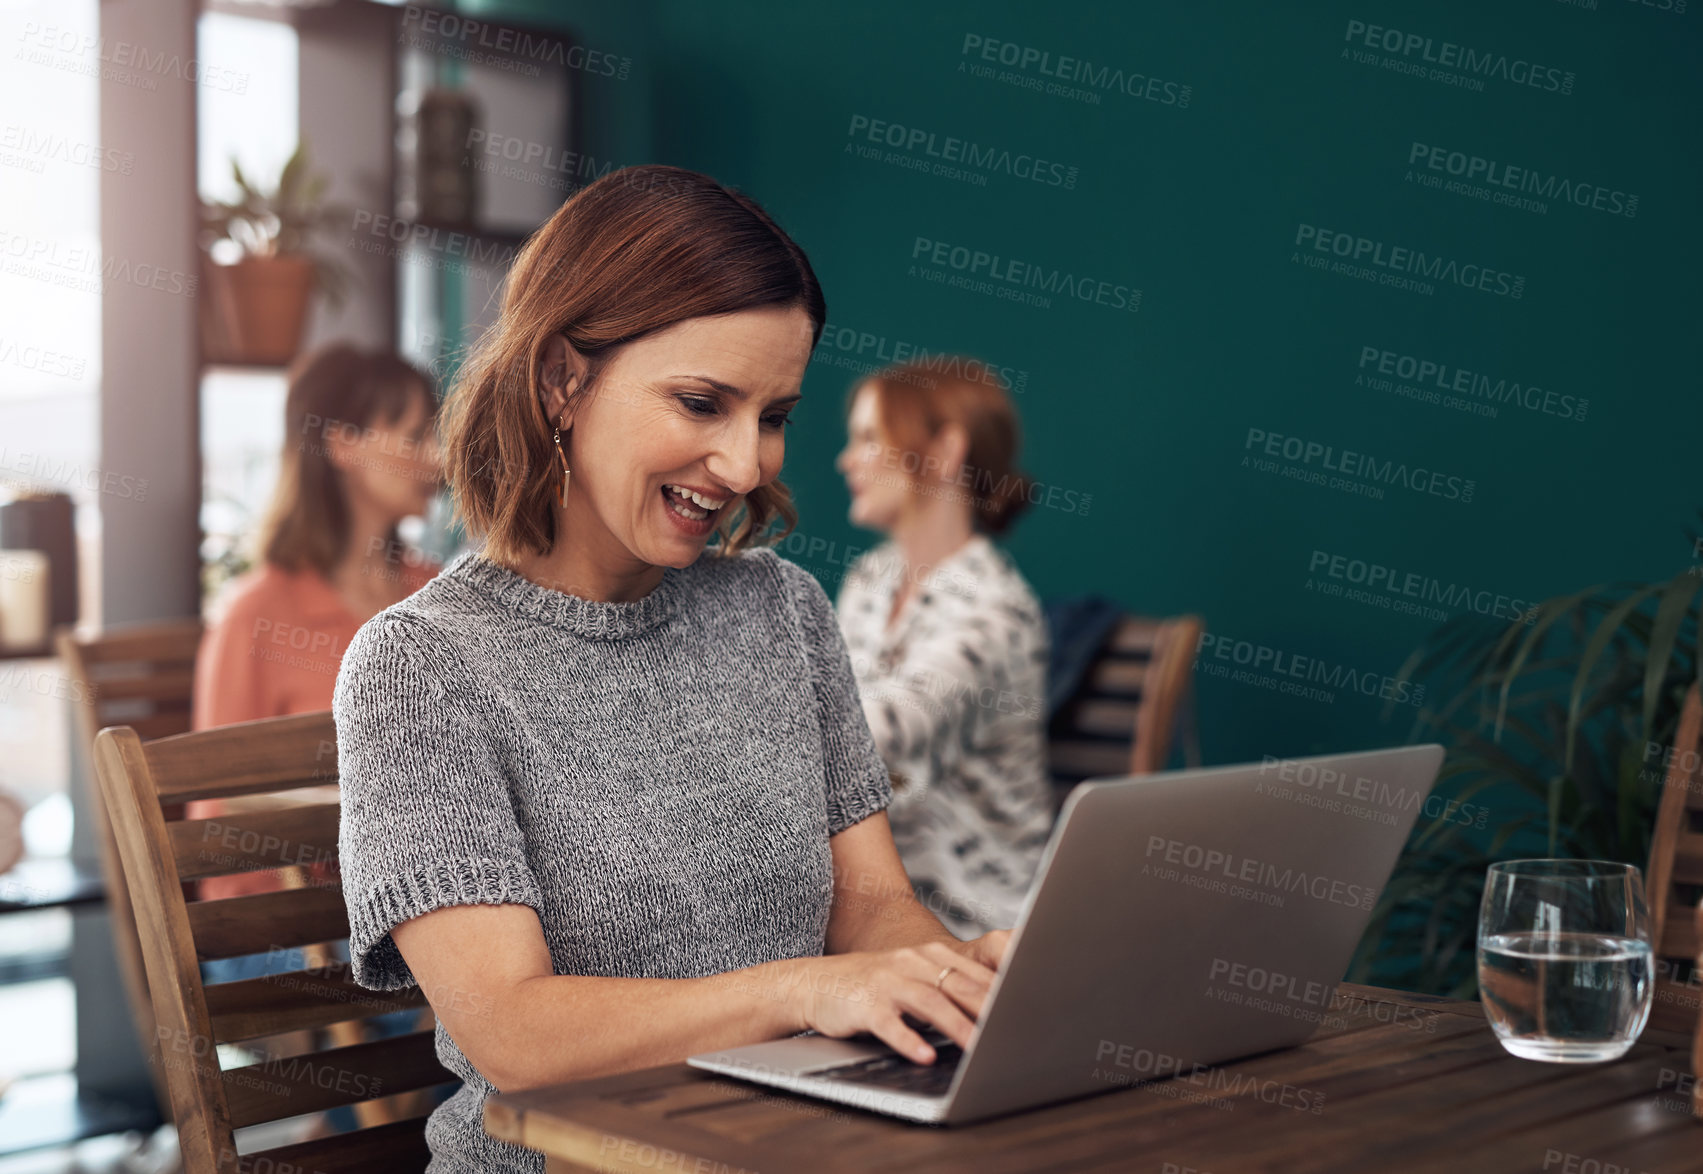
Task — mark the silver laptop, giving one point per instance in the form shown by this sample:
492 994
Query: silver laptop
1176 920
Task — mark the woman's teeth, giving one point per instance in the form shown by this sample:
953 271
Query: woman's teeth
677 497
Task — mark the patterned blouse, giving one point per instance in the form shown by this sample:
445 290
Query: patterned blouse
955 694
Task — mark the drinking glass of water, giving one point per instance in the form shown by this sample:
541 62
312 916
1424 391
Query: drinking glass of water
1564 960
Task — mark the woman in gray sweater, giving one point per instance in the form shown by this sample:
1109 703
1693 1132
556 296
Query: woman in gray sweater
611 800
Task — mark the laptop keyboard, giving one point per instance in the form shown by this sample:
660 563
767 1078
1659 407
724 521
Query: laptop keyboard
895 1072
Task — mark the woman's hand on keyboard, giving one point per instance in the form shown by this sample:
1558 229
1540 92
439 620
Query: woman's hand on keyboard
989 949
843 994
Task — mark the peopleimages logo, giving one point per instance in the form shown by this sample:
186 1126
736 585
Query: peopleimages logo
496 46
1398 261
1412 585
41 41
1359 465
1416 48
1071 70
1477 169
914 141
30 469
34 358
1428 373
84 269
1017 276
1279 670
868 351
1260 980
1245 869
35 149
1313 780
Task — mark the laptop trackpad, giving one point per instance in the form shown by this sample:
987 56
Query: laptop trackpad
804 1053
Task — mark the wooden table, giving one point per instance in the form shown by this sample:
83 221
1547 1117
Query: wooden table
1392 1082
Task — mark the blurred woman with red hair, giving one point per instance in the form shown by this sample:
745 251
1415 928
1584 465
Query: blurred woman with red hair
948 642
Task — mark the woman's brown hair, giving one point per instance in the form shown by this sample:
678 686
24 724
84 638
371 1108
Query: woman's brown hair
914 401
335 388
633 253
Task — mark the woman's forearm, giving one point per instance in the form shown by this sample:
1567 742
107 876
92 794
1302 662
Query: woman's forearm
556 1028
559 1028
875 907
906 923
884 922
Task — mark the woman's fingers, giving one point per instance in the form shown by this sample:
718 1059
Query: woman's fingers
972 998
893 1031
989 949
992 946
964 980
933 982
928 1003
940 956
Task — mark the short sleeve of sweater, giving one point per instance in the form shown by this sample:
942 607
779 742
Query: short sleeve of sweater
857 783
427 819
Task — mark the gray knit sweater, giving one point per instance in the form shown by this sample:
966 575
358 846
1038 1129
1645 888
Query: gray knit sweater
657 779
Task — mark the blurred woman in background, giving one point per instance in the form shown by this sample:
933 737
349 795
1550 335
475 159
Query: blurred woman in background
360 454
948 643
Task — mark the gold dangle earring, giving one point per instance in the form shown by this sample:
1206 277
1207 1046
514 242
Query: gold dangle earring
564 457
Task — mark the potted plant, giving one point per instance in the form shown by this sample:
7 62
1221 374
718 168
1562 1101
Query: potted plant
254 306
1551 719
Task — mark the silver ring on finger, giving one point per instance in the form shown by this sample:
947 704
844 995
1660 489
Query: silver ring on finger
940 983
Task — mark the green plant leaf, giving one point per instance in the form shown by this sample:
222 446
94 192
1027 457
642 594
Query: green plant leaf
1548 612
1495 760
284 219
1555 783
1664 635
291 176
1607 628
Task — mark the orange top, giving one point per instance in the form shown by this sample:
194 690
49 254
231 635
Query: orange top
274 649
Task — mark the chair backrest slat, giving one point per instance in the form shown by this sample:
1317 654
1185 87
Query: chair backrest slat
1136 637
162 724
1075 761
1679 939
1105 718
246 758
324 1080
156 642
1116 678
156 683
397 1148
1697 1039
1688 858
296 1000
1675 878
268 922
263 839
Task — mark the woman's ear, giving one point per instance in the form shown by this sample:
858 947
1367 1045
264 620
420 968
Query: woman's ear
562 371
951 445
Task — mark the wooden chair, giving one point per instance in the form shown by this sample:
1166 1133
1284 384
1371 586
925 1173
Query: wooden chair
280 757
1132 703
138 675
1697 1041
1675 878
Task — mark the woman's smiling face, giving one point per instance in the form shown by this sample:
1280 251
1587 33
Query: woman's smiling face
699 407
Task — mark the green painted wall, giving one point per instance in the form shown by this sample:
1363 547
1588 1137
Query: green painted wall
1146 415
